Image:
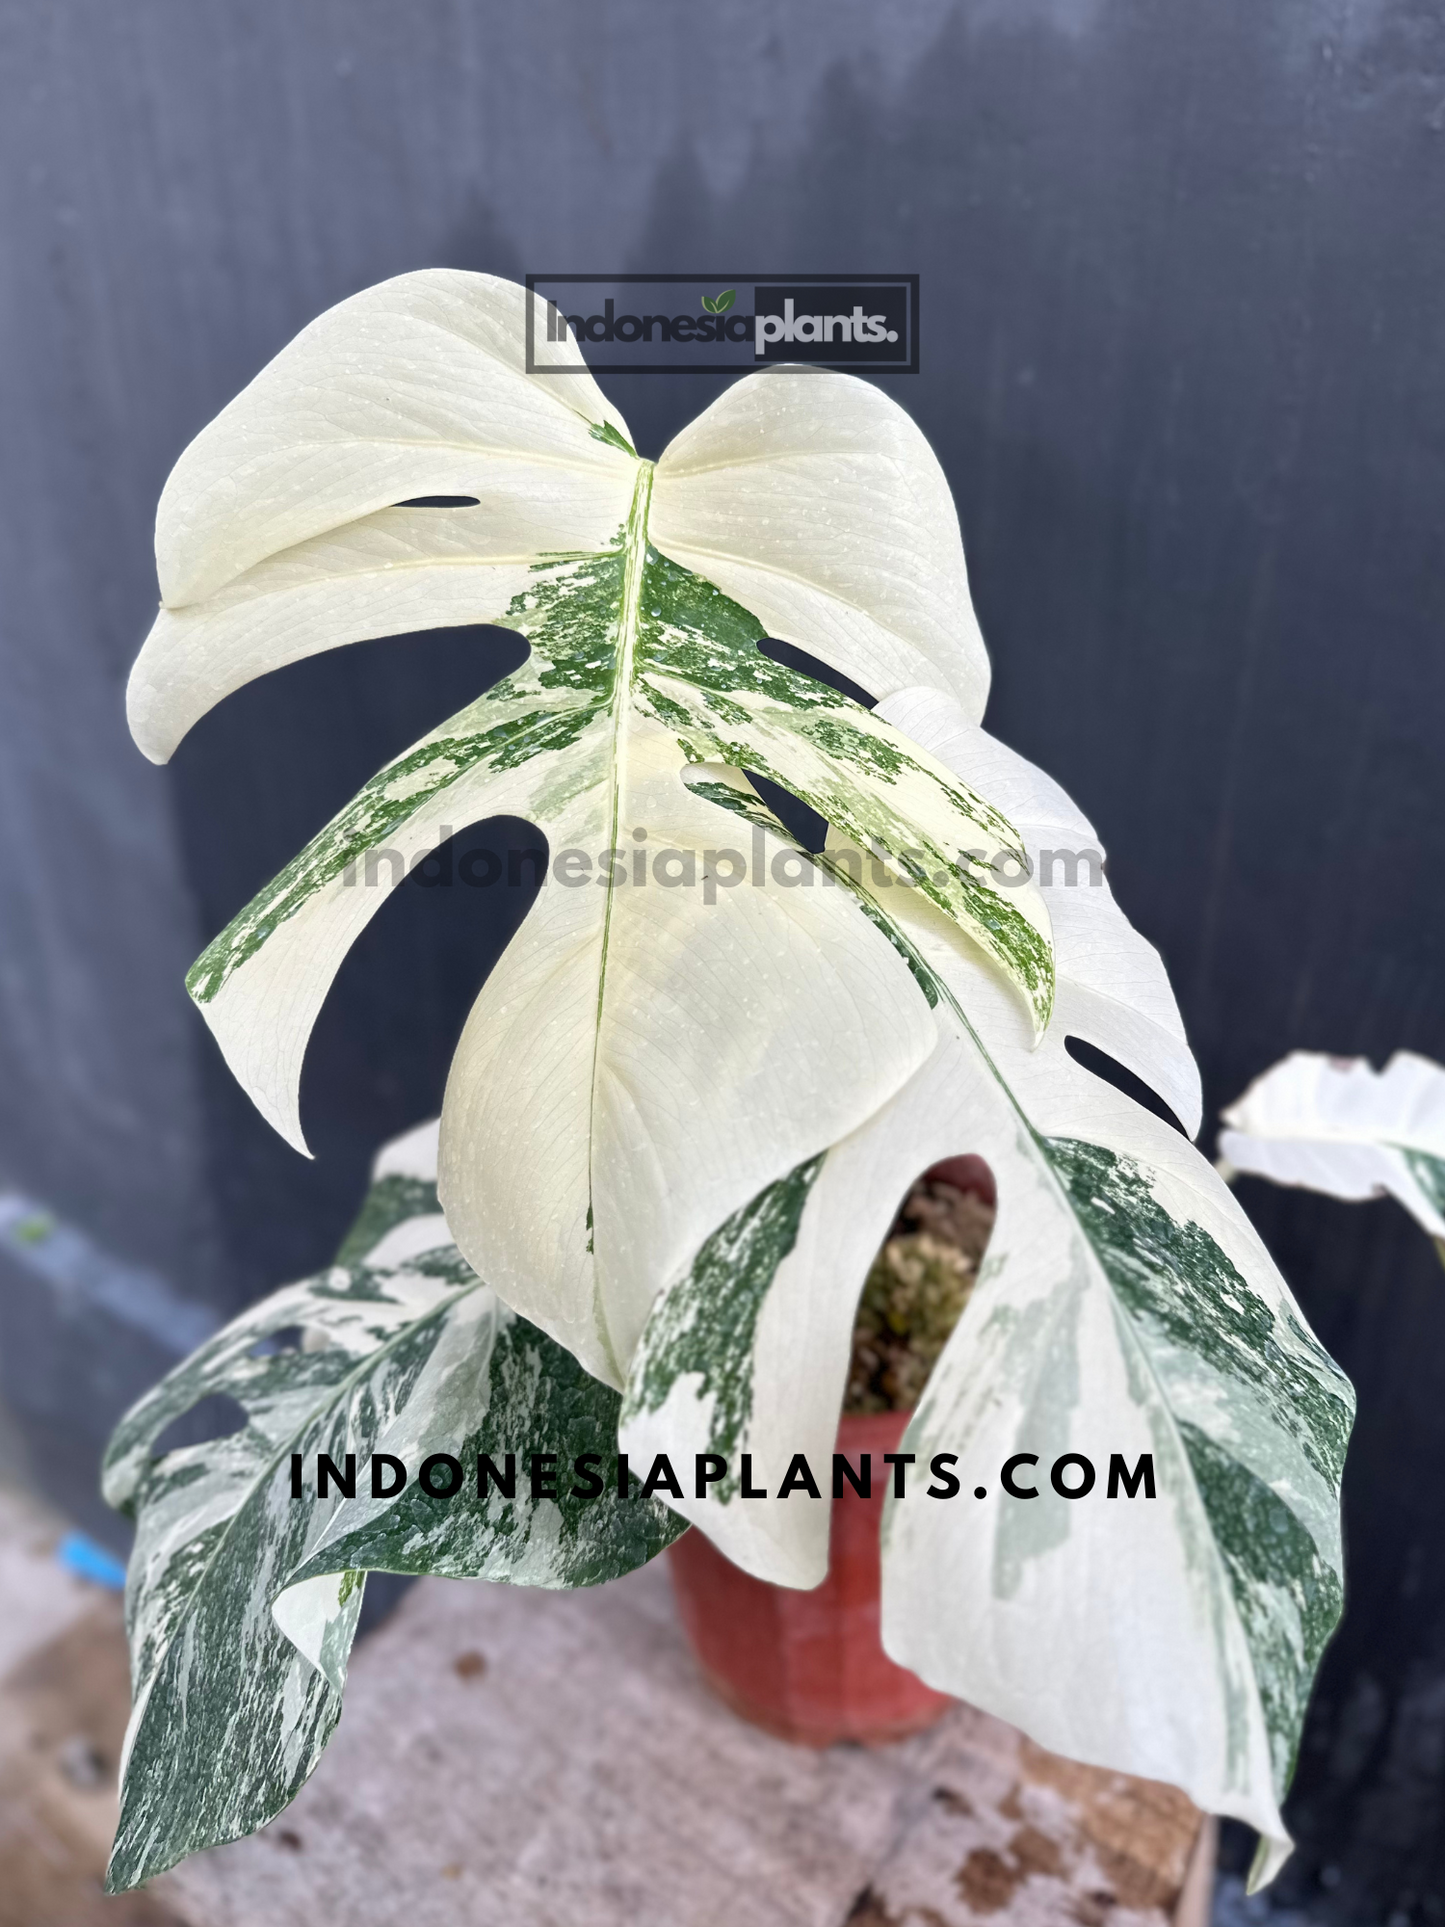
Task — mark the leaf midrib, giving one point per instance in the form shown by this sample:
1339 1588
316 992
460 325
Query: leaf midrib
634 566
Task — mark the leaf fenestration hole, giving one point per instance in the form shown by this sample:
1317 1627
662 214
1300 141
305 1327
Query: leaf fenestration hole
919 1283
792 657
216 1416
798 818
453 915
286 1339
1090 1058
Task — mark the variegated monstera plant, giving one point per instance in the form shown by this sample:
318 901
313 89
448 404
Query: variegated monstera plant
680 1119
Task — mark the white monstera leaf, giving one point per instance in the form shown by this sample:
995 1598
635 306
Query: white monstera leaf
242 1600
661 1040
1338 1125
680 1119
1125 1307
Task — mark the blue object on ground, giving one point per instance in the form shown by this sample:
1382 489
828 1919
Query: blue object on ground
87 1560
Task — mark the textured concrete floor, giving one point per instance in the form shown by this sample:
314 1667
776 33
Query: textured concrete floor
552 1760
524 1759
64 1699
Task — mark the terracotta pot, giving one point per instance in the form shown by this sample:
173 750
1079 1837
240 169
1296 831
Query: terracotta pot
808 1666
966 1173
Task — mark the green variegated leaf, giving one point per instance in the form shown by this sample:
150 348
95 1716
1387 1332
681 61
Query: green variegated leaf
652 988
242 1600
1338 1125
1125 1306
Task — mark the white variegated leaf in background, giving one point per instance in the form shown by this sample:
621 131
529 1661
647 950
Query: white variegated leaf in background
1338 1125
1125 1306
644 1059
242 1601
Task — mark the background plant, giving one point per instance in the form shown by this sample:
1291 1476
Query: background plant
1337 1125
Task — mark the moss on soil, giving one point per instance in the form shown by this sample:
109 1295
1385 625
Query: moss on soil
914 1295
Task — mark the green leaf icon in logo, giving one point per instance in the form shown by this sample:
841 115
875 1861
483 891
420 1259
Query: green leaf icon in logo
720 303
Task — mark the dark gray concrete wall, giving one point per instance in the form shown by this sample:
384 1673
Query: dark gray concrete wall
1183 290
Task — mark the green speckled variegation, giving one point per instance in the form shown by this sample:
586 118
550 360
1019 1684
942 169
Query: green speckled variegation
705 1328
242 1600
1428 1171
1124 1307
674 654
670 968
